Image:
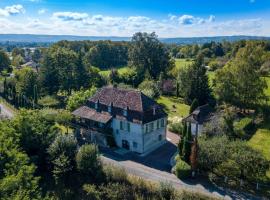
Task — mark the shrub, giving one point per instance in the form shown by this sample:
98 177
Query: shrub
176 128
167 191
244 126
91 192
182 169
88 162
150 88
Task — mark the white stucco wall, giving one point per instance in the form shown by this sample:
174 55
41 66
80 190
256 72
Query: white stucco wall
145 141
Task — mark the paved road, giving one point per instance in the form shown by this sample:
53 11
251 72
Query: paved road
5 111
155 167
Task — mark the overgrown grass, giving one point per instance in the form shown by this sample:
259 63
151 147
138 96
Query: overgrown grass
174 106
121 70
261 142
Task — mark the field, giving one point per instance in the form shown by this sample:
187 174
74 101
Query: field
174 106
181 62
120 70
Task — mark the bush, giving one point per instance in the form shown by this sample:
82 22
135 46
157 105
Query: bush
176 128
182 169
244 126
150 88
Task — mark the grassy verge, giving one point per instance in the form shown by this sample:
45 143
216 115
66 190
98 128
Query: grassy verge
173 106
8 105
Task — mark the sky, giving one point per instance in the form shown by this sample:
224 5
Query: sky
168 18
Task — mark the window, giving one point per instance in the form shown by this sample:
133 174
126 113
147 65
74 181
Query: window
151 127
146 128
96 105
125 112
158 124
121 125
128 126
159 137
135 144
109 109
162 123
117 131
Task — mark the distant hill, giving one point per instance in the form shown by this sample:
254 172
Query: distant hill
55 38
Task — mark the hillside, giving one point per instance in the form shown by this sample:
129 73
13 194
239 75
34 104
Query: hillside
178 40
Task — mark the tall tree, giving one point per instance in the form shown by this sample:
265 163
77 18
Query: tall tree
4 61
26 81
239 83
194 83
148 53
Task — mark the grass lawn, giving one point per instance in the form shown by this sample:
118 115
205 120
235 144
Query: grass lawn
261 142
182 62
174 106
121 70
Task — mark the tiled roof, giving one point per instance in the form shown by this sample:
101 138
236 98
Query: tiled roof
139 107
89 113
123 98
199 115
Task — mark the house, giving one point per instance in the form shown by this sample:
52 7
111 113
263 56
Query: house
31 64
135 121
198 117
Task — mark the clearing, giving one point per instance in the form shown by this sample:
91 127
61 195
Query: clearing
174 106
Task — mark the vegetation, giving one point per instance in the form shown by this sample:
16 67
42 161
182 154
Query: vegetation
174 106
38 147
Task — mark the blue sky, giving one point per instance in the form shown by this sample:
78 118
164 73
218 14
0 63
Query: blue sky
168 18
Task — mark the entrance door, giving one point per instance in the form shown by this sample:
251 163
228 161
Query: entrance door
125 144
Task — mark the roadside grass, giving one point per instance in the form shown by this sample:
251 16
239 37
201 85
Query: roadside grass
121 70
8 105
174 106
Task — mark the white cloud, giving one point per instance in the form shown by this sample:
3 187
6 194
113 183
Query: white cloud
186 19
191 20
70 16
42 11
73 23
172 17
212 18
12 10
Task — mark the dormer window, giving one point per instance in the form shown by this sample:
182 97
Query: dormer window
110 108
125 112
154 110
96 105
